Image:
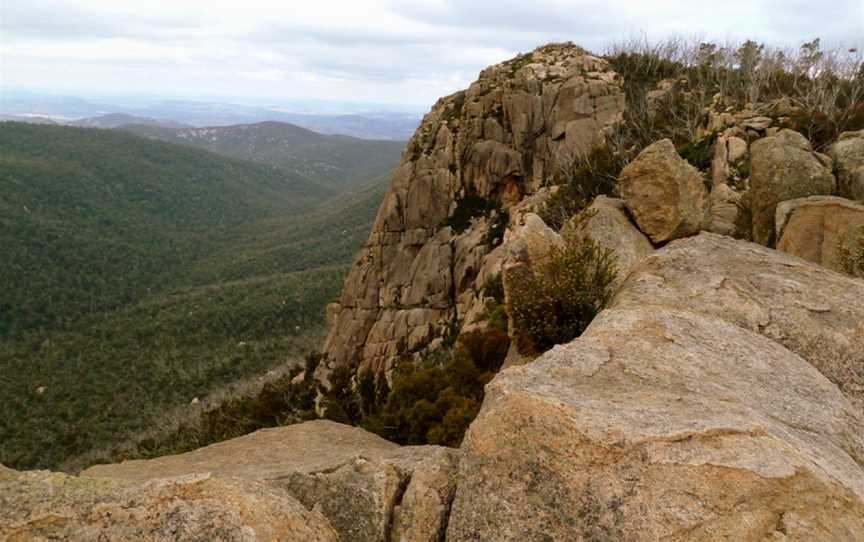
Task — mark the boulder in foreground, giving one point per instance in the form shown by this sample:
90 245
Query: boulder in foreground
702 425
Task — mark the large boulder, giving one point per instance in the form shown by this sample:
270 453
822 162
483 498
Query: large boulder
716 419
41 505
369 489
848 155
818 228
783 167
605 222
665 194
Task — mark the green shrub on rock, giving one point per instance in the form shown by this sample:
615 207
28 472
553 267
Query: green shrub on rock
433 403
554 301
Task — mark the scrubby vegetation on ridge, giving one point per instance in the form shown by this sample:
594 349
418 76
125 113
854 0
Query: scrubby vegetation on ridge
670 87
826 87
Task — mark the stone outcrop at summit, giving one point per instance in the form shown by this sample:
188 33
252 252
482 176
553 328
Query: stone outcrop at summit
476 154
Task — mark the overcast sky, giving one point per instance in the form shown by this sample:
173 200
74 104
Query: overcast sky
390 51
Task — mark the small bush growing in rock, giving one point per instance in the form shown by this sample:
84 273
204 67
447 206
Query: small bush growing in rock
581 178
468 208
554 302
434 403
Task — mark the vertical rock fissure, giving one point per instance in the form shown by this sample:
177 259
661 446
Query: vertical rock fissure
445 515
454 319
399 495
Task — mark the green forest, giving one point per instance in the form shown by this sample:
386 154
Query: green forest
138 274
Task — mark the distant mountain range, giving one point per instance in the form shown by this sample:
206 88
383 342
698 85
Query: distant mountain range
396 125
115 120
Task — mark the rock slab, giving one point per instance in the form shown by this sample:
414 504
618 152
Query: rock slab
713 420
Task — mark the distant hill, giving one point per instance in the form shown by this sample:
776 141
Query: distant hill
363 120
27 119
340 160
113 120
139 274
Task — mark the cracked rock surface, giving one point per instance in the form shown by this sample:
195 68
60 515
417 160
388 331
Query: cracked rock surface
367 488
700 406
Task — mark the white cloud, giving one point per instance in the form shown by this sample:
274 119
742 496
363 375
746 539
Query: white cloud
397 51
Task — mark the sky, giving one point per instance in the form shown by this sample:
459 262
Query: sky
382 51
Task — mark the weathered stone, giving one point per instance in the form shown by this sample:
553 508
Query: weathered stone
40 505
533 241
782 168
497 140
818 227
6 472
366 487
700 425
812 311
759 123
737 149
848 154
724 210
405 496
664 193
605 222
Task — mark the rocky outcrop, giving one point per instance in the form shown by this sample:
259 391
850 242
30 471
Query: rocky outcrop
818 228
665 194
848 155
606 223
489 146
784 167
52 506
367 488
717 418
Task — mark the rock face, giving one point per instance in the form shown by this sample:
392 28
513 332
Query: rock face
818 227
848 155
52 506
606 223
367 488
665 194
716 419
494 143
783 167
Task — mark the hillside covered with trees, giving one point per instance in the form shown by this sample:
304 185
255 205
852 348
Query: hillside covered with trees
138 275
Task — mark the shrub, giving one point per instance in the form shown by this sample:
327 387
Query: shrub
434 403
341 403
581 179
468 208
554 301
